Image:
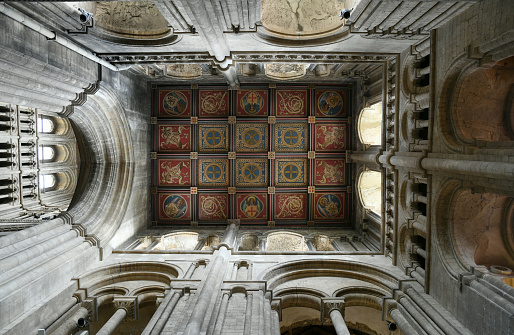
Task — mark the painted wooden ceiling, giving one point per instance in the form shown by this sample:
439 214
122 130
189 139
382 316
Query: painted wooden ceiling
265 154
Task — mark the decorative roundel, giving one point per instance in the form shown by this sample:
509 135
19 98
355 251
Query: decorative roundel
213 172
175 103
329 206
251 172
252 137
291 171
175 206
252 102
214 138
330 103
290 137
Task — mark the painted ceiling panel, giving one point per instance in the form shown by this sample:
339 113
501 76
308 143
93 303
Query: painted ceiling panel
261 155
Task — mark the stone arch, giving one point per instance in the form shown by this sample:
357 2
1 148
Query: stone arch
463 240
479 224
105 179
314 268
484 109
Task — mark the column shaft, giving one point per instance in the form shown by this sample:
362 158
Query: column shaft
115 320
275 323
166 313
69 325
221 316
248 314
338 321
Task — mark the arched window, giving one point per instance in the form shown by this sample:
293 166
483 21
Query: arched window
370 190
370 125
45 153
46 182
44 125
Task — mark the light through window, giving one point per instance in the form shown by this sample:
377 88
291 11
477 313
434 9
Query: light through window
370 125
46 181
45 125
45 153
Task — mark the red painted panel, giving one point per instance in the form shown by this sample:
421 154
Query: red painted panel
290 206
331 137
214 103
329 206
213 206
330 103
291 103
174 206
251 206
175 103
174 138
330 172
252 102
174 172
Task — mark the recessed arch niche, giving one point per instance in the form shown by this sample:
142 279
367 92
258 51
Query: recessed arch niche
482 228
483 108
299 22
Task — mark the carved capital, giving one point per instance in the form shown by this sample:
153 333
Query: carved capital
329 305
130 304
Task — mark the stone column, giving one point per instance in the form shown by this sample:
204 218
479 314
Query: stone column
168 309
248 313
212 282
332 308
222 313
267 313
402 322
69 325
339 323
115 320
125 308
275 317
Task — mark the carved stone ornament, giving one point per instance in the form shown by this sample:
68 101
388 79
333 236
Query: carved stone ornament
285 71
329 305
130 304
184 71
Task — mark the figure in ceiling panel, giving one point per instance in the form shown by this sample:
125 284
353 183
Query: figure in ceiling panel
252 172
329 205
175 103
213 138
291 172
251 206
330 103
291 103
331 137
214 103
252 137
291 137
174 206
175 138
213 172
252 103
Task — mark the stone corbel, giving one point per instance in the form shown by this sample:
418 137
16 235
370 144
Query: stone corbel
329 304
129 304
